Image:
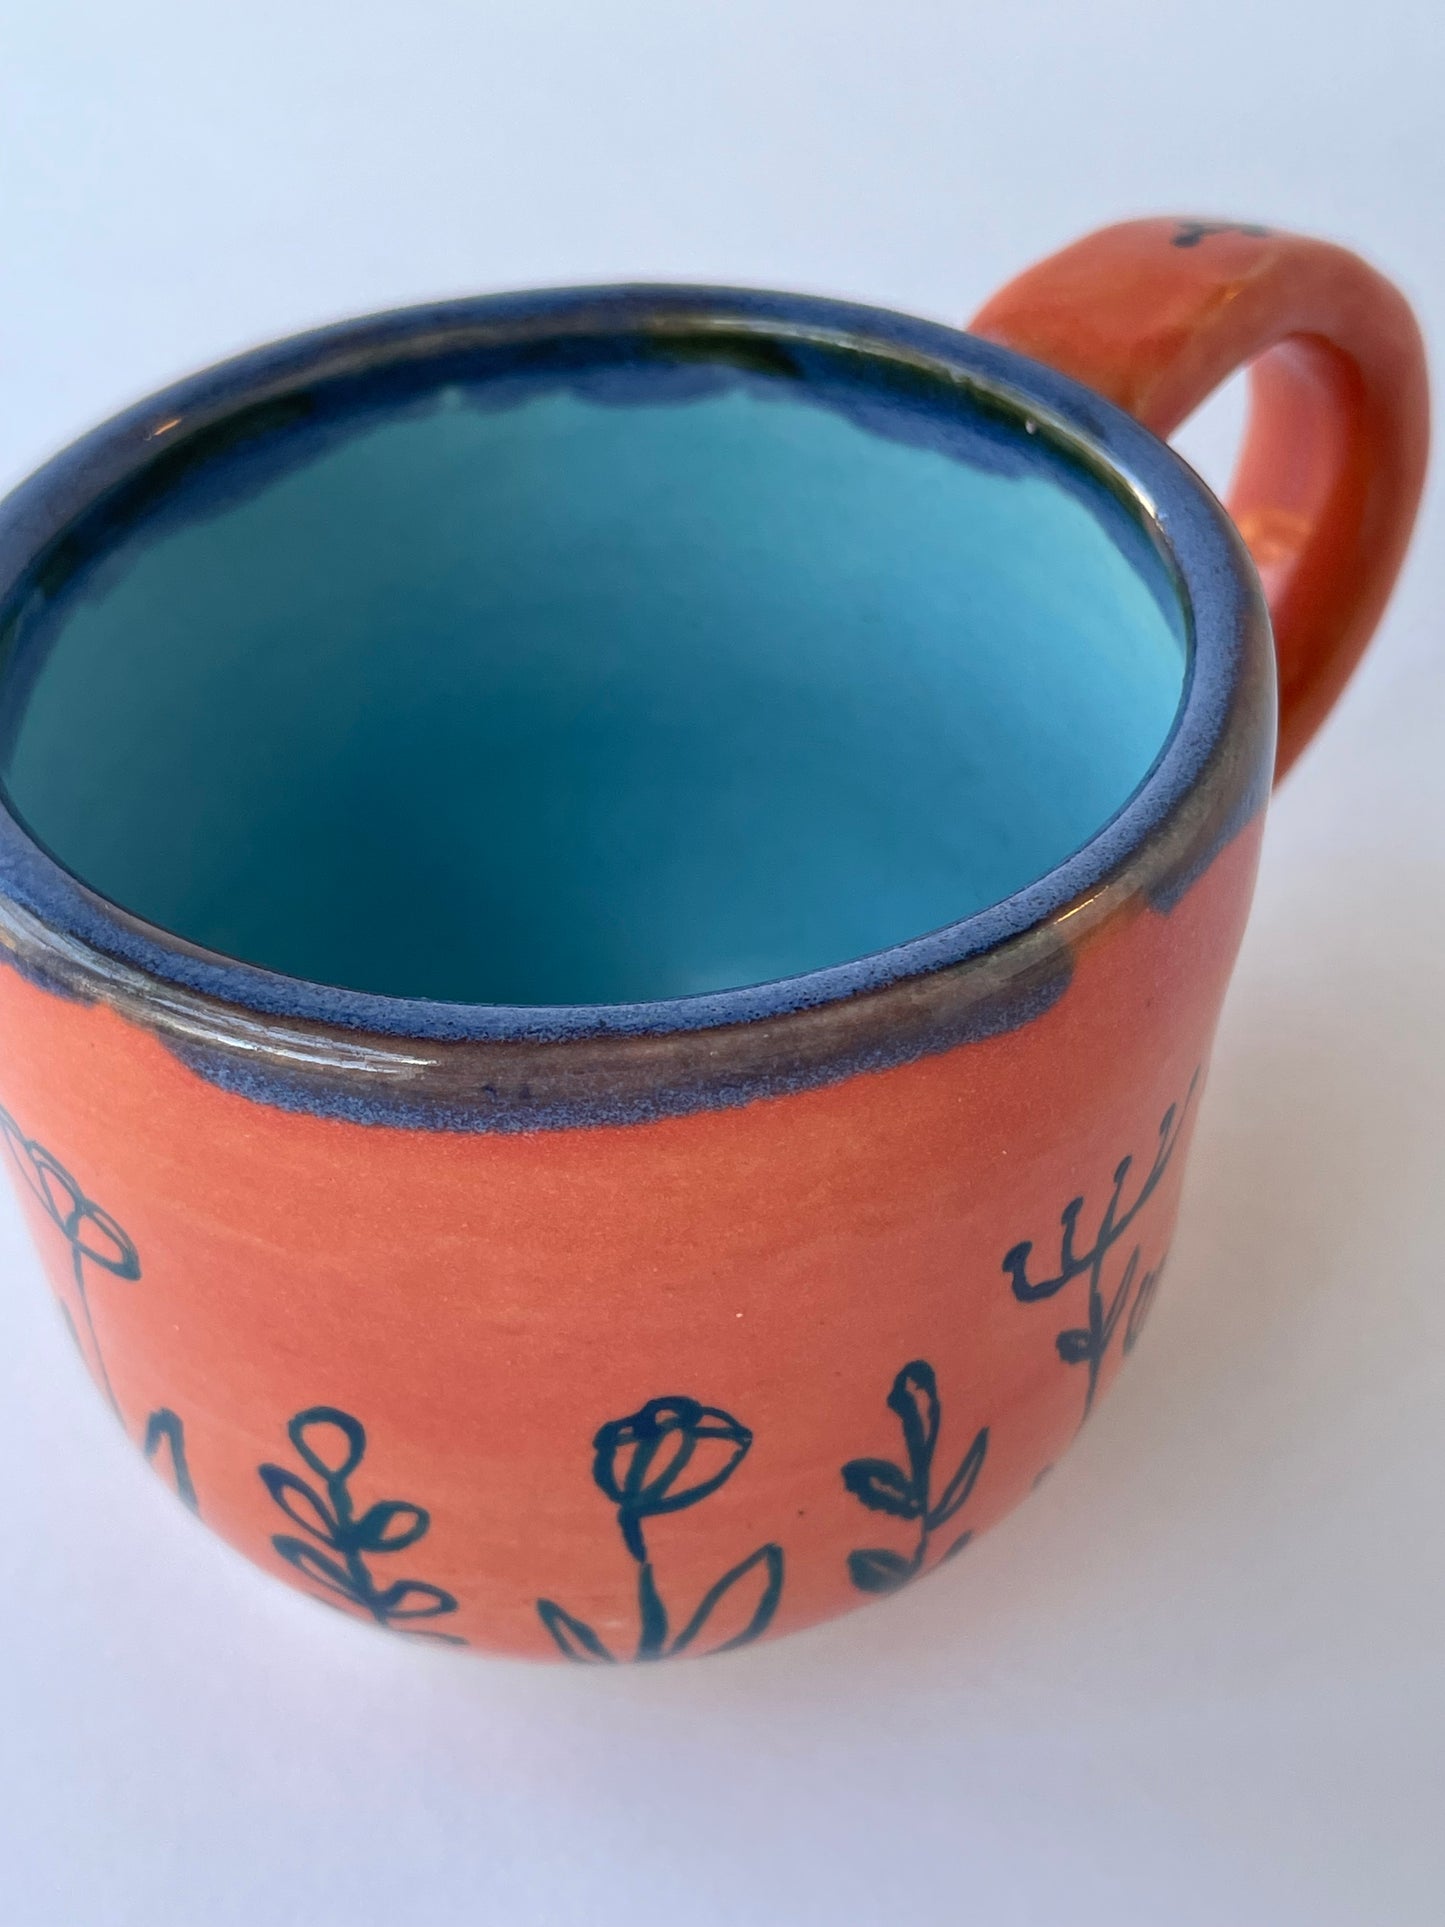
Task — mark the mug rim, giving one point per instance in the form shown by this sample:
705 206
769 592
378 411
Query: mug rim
64 927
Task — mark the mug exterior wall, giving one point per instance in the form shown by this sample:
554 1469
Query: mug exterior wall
656 1329
833 1276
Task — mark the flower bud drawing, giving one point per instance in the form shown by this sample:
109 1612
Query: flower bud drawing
670 1455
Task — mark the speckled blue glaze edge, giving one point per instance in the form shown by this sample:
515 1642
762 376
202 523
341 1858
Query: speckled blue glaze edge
1219 592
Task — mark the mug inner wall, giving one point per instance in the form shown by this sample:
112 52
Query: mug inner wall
592 671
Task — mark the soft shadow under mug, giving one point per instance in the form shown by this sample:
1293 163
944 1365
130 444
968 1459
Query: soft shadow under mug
616 901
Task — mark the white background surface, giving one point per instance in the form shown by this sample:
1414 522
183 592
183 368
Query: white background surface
1201 1677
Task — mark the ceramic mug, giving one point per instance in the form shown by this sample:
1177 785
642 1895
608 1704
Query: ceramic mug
616 902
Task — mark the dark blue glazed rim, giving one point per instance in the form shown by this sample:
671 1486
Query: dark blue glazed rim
1218 591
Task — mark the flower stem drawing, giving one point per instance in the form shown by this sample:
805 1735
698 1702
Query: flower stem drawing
670 1455
164 1429
1088 1344
94 1237
906 1491
1143 1304
331 1443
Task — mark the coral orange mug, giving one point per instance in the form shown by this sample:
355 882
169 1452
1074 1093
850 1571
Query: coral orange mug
616 902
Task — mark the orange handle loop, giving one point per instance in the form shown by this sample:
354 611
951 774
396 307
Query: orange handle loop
1155 314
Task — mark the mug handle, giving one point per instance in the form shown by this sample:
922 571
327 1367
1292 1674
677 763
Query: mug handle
1156 313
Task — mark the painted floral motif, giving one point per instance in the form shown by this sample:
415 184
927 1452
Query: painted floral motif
671 1455
1088 1344
165 1433
1140 1309
663 1459
906 1491
338 1546
96 1241
1189 234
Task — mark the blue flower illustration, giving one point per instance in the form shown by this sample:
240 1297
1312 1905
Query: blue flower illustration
906 1491
338 1545
670 1455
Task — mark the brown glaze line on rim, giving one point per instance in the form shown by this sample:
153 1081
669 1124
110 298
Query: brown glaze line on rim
541 1084
262 1035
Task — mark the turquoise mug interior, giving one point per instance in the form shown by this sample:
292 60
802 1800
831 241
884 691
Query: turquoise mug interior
592 668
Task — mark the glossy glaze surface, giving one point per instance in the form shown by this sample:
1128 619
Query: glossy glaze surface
82 501
484 1305
599 683
630 1331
